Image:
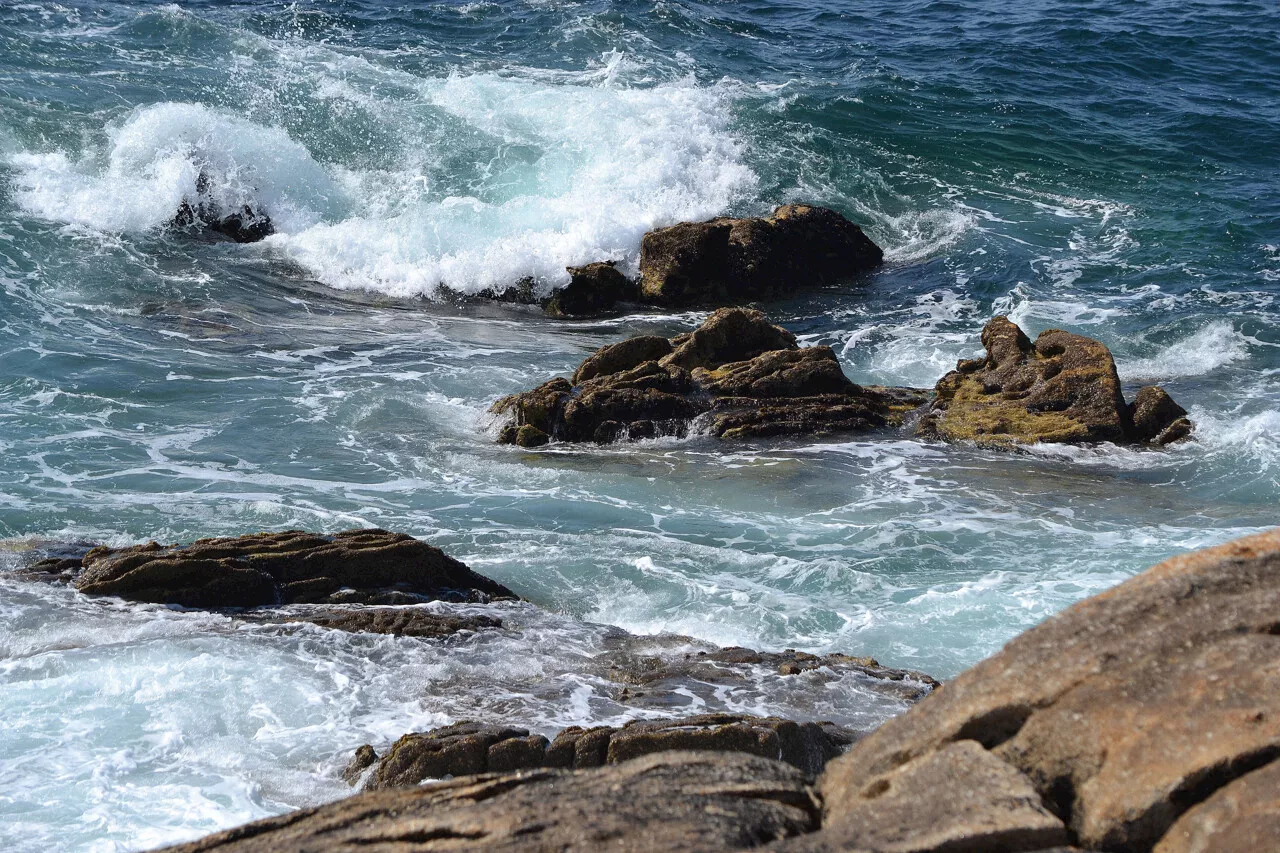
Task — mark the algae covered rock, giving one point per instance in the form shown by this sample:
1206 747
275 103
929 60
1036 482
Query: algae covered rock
735 376
729 261
1061 388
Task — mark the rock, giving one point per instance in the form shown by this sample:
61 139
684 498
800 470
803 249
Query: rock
1124 712
364 758
475 748
458 750
738 373
960 797
592 290
736 260
1242 816
397 621
1157 418
354 567
205 215
1063 389
686 801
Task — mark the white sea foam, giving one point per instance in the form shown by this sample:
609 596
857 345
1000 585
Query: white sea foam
1214 346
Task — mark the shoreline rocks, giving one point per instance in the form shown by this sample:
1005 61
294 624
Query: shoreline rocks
261 569
737 375
1146 718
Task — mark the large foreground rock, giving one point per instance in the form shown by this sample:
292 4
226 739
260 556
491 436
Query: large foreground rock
737 375
678 801
353 567
1129 715
731 261
469 748
1063 388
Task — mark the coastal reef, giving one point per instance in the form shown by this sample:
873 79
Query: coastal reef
737 376
1146 718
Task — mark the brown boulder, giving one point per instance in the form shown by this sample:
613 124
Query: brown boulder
353 567
687 801
1063 388
1241 817
458 750
736 260
741 375
592 290
1124 711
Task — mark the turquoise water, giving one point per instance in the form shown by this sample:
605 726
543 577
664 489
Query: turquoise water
1106 167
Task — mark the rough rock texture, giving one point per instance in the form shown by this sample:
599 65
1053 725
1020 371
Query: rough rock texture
466 748
727 261
1124 712
354 567
1243 816
742 376
960 797
685 801
1062 388
592 290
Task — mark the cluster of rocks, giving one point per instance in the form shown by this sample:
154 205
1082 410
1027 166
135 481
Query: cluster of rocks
205 217
470 748
738 376
1146 718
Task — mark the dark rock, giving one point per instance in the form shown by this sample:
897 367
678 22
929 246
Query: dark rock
742 375
397 621
593 290
354 567
474 748
364 758
693 802
1157 418
204 215
1124 712
736 260
1063 388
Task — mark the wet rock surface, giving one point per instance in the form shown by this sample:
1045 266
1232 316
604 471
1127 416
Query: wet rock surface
593 290
354 567
206 217
736 376
468 748
396 621
1063 388
687 801
731 261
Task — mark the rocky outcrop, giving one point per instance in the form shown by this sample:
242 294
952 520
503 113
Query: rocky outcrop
593 290
396 621
686 801
353 567
731 261
1063 388
1130 715
736 376
466 748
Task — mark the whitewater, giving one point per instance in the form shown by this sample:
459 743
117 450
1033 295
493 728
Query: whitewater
1109 170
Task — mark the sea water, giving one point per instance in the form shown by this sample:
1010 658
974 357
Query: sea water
1106 167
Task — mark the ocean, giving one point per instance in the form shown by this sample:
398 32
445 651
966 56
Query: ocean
1108 167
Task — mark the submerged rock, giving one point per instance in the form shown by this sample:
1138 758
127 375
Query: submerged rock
466 748
1063 388
354 567
678 801
205 215
396 621
728 261
742 376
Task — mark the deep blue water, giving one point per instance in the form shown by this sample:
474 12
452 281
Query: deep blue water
1106 167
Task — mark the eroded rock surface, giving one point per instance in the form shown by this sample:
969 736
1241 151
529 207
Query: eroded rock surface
737 375
353 567
1123 712
468 748
1063 388
730 261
